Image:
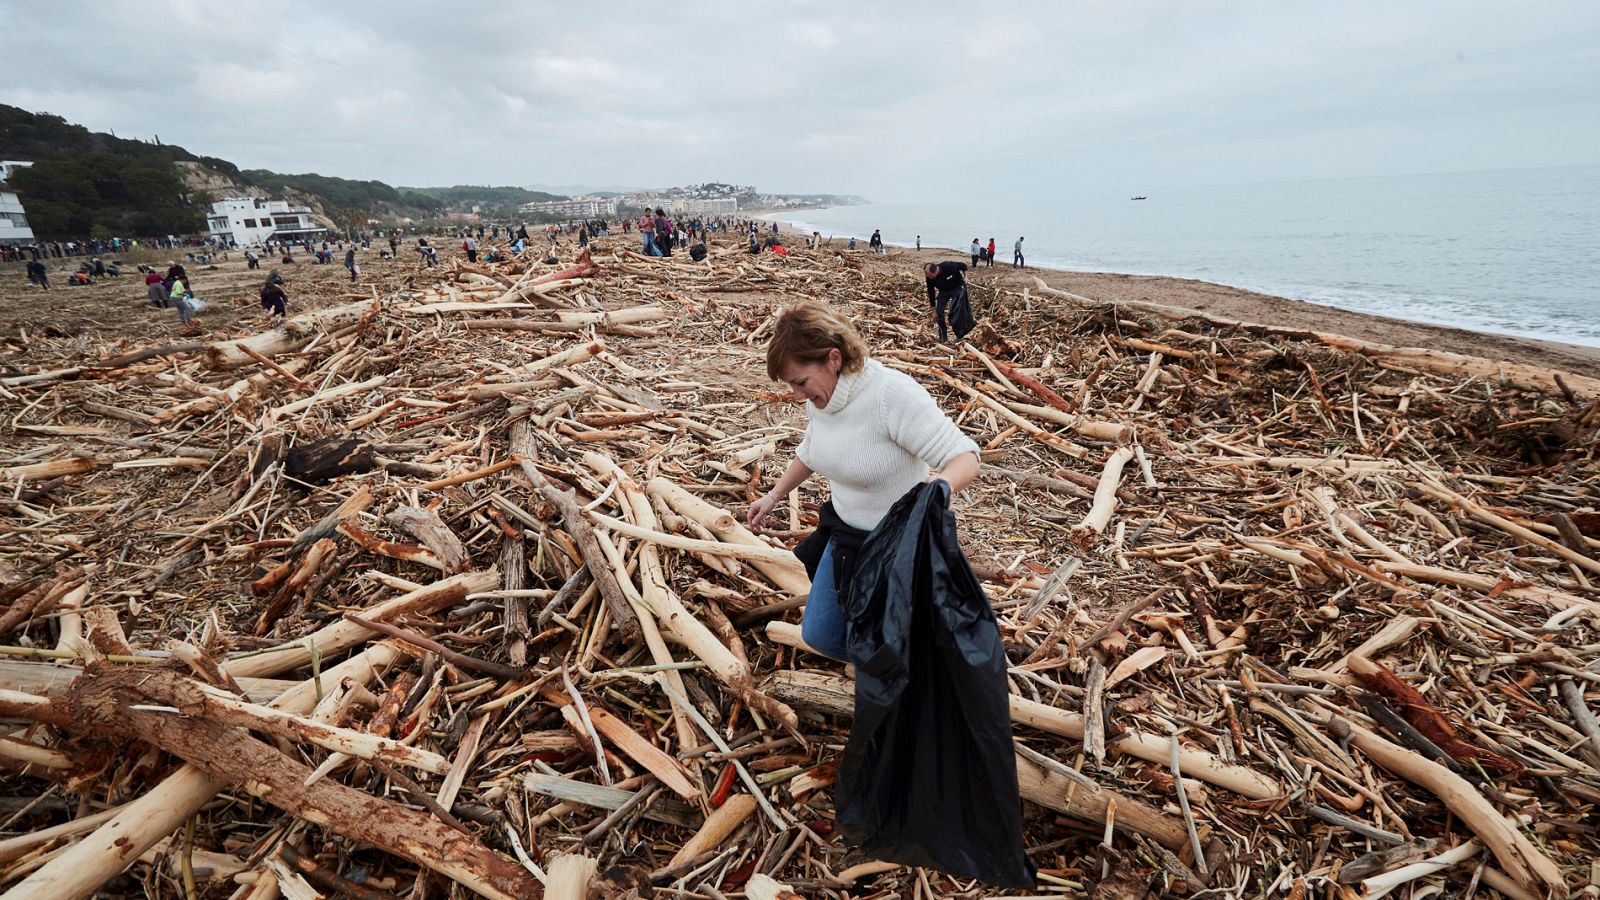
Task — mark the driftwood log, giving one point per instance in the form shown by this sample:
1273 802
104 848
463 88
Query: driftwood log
294 332
102 703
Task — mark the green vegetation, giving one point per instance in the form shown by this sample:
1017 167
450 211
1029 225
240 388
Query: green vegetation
85 182
34 136
338 191
106 195
494 202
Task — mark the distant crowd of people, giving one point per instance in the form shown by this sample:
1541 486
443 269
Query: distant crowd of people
37 250
658 233
981 253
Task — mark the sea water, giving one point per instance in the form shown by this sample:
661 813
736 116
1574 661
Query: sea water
1514 251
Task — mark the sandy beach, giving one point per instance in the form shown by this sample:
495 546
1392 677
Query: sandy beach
228 279
1278 503
1236 303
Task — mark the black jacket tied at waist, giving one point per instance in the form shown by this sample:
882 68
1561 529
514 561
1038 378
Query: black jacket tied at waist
847 541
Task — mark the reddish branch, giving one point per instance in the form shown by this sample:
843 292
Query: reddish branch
1425 717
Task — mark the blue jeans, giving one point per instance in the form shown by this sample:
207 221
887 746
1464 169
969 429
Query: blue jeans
650 245
823 624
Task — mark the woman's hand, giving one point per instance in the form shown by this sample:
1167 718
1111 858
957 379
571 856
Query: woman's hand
757 514
793 477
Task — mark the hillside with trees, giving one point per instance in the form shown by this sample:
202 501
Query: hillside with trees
88 183
493 202
343 193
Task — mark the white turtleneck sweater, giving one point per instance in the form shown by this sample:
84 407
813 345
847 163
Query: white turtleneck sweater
876 439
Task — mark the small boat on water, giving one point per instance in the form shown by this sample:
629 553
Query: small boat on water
1141 197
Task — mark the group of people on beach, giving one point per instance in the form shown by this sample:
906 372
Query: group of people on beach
981 253
173 290
41 250
947 290
985 254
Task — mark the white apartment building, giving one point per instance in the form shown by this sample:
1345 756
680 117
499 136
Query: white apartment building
578 209
13 221
702 207
250 221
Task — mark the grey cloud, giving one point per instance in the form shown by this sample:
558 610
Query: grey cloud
884 100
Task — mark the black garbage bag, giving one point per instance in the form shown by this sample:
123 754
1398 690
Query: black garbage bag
929 776
961 320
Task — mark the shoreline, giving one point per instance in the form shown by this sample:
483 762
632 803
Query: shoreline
1227 301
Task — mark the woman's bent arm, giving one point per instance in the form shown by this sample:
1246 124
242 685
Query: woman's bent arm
792 477
960 471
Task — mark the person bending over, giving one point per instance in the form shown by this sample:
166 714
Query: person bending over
945 283
157 291
874 432
273 299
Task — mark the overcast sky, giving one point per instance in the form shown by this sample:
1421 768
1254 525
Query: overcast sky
892 101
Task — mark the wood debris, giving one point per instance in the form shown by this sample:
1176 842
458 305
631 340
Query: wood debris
448 585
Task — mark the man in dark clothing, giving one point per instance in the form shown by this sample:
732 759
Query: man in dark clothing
663 232
273 298
945 283
176 273
37 275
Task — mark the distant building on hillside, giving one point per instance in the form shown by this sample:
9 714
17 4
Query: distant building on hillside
698 207
14 228
581 208
250 221
9 167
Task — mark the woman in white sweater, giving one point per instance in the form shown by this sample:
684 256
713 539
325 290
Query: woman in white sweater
875 433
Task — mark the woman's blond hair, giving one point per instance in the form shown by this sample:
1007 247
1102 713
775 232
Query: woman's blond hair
805 333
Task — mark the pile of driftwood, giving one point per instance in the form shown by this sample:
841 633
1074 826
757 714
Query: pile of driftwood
448 590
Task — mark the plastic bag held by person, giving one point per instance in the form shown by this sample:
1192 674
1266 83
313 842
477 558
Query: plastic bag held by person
929 776
961 320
